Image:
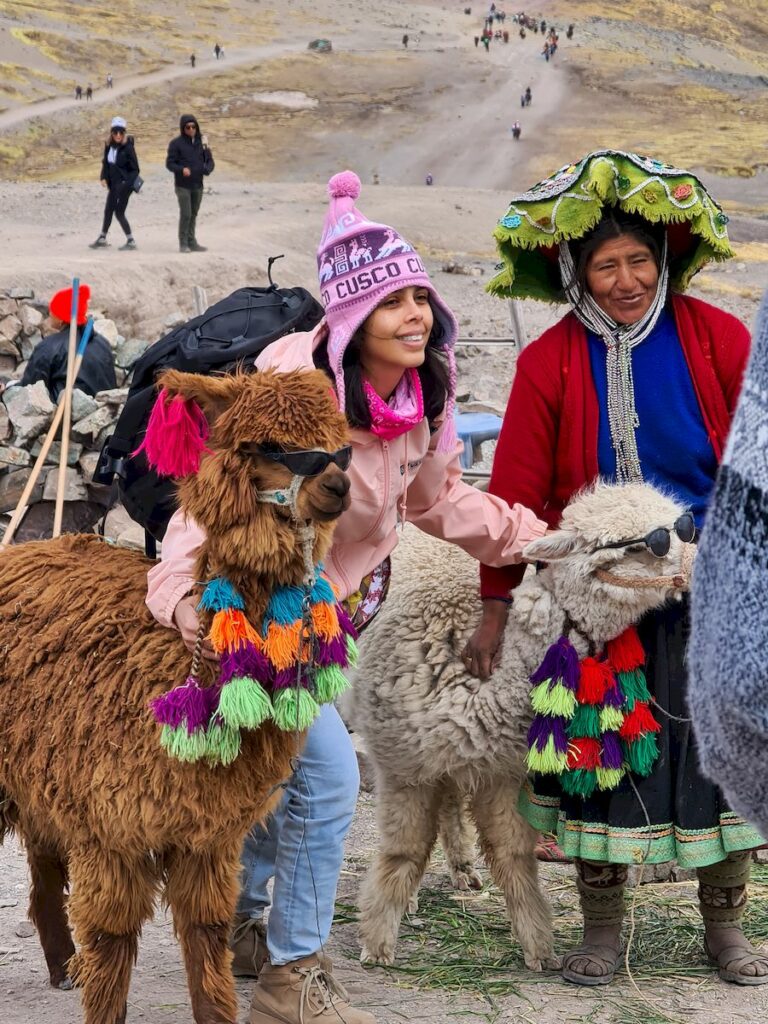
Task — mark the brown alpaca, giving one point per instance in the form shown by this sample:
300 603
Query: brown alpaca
83 780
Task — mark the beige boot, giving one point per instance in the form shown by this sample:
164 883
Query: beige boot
303 992
249 946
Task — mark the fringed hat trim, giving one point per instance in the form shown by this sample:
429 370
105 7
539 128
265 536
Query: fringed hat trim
570 203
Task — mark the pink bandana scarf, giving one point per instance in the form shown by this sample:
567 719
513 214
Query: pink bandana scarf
402 413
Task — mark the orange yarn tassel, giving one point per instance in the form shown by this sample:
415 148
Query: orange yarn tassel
326 621
625 652
230 630
281 644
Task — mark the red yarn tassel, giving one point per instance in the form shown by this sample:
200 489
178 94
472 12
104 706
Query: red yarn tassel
625 652
596 677
583 753
638 721
175 437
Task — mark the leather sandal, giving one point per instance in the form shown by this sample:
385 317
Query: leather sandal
607 958
733 959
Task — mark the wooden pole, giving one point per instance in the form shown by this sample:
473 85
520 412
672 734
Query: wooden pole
200 299
67 422
21 507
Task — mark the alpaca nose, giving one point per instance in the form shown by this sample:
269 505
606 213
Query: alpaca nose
336 485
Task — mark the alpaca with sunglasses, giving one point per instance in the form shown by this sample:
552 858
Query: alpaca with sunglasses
119 171
387 347
638 382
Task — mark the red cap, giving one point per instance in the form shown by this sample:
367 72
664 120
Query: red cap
61 304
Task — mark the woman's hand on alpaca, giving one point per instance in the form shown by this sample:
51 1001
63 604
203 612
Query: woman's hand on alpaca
482 653
187 621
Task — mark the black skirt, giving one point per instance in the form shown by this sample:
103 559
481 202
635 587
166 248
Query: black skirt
690 821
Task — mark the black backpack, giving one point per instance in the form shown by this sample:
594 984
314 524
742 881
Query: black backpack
230 333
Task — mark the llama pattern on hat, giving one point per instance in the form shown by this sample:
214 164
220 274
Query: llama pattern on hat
392 243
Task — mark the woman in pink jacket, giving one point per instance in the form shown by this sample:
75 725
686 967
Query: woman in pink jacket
387 344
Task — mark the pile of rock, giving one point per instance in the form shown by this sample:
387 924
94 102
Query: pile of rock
26 414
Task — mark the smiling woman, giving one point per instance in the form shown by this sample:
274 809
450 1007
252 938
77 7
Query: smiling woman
637 382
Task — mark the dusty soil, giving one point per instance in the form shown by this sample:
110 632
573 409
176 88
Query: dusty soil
682 81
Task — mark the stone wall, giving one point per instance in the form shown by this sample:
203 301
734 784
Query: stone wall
26 414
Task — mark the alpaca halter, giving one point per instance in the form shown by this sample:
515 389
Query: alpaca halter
289 498
678 581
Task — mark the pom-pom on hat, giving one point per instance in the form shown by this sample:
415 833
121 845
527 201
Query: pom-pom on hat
359 263
60 305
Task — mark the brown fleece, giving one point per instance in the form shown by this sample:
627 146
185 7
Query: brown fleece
83 778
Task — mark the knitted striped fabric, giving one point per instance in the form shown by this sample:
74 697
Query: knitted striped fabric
592 720
281 672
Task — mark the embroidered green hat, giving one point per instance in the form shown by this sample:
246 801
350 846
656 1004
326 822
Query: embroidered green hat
569 203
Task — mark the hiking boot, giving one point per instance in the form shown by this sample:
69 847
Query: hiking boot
130 243
303 992
100 243
196 247
184 248
248 943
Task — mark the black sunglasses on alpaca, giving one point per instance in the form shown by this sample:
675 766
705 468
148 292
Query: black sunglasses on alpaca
311 462
659 540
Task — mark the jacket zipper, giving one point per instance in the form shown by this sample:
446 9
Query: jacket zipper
387 480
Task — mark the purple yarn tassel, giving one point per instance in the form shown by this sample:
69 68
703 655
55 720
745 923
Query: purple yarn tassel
612 754
189 704
560 665
544 726
331 652
613 698
286 677
345 622
245 661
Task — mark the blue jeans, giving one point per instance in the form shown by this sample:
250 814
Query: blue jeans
302 844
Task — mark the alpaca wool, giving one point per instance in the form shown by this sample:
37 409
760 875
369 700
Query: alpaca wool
359 263
729 701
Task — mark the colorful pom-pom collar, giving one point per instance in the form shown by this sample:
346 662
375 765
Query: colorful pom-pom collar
592 719
570 203
281 671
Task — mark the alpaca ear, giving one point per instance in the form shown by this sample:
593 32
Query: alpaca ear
212 394
552 546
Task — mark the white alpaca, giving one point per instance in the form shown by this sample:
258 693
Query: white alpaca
326 270
438 738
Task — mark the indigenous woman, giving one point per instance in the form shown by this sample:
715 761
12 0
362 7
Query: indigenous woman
386 344
636 382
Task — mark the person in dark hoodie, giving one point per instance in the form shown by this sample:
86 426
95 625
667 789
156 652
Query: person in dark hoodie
190 159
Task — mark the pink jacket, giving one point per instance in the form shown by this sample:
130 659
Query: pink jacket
400 480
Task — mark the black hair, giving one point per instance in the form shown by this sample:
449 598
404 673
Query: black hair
433 374
613 224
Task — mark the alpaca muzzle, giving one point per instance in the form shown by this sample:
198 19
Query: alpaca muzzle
677 581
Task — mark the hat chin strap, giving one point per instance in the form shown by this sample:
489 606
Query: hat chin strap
288 498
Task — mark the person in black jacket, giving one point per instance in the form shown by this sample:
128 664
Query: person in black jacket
190 159
48 363
119 170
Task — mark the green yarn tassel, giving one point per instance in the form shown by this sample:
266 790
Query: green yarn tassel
548 760
352 651
330 682
641 753
222 743
181 744
611 719
579 782
244 703
609 778
557 700
294 709
634 687
586 722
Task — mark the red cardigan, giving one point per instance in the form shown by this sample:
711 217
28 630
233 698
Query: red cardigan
547 448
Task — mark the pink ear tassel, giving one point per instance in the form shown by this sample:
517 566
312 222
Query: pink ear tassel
175 437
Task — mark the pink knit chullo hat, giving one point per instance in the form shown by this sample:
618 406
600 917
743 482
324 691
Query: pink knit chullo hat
359 263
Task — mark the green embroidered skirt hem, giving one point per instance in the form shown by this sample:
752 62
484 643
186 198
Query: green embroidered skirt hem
691 821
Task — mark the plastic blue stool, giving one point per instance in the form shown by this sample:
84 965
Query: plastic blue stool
473 428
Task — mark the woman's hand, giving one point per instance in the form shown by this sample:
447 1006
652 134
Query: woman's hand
483 650
186 618
103 182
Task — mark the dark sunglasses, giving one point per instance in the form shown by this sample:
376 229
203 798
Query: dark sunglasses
659 540
312 462
118 131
